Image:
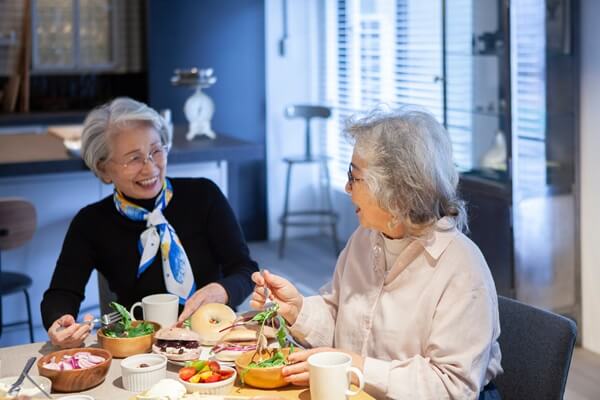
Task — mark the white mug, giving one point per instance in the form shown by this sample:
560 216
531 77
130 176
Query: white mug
329 376
161 308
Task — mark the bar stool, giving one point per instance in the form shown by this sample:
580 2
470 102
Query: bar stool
324 216
17 225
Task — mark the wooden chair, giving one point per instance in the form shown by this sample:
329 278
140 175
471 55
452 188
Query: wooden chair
17 226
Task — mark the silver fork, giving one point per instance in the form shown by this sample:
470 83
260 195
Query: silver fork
15 388
104 320
268 303
261 343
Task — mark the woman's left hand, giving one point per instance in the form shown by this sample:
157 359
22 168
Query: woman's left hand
211 293
297 372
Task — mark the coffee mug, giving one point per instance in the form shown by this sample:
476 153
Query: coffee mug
329 376
161 308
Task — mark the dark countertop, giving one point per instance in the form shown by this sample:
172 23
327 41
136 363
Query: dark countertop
30 154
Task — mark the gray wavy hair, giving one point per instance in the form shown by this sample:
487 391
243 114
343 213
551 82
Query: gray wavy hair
120 113
410 170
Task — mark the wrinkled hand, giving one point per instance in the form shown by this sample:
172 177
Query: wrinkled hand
281 291
211 293
66 333
297 372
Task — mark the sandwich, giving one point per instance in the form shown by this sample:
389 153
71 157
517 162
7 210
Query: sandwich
238 340
177 344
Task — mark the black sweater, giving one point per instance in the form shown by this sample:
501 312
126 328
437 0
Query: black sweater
100 237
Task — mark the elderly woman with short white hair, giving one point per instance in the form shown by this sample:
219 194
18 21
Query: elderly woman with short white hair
154 234
412 299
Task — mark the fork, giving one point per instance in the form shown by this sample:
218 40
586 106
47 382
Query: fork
15 388
261 342
268 303
104 320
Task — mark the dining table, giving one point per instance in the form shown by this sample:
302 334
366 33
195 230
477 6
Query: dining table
13 359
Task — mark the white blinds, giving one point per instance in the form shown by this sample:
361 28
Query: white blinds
528 94
379 52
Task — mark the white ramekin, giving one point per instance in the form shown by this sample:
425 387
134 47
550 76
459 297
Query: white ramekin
136 379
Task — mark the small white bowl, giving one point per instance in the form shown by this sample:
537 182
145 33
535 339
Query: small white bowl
218 388
27 388
138 379
76 397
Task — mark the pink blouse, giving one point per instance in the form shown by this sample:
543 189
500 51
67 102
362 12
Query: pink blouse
428 326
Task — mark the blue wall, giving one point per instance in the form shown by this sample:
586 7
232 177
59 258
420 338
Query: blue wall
228 36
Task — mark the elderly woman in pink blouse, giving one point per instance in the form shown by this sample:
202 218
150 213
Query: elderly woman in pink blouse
412 299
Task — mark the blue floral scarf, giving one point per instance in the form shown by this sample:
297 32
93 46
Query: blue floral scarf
177 270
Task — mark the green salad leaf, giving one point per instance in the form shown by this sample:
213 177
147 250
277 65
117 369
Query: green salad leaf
266 315
124 328
276 360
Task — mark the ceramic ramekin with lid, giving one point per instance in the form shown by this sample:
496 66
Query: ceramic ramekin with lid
142 371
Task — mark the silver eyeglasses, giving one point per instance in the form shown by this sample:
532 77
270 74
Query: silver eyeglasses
352 178
136 161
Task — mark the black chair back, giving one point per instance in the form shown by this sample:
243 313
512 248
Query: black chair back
307 112
537 347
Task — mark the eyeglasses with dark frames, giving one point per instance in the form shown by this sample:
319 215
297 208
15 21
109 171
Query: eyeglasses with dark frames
351 178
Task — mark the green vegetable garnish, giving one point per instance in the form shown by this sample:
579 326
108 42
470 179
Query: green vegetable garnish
124 327
276 360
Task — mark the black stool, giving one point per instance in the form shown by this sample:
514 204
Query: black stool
17 225
326 216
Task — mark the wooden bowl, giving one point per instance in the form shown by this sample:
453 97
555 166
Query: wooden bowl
125 347
262 378
75 380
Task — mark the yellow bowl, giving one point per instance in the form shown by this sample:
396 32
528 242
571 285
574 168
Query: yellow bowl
262 378
125 347
75 380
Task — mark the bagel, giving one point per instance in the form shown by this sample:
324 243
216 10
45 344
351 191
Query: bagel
209 320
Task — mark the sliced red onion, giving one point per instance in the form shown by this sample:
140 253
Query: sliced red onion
80 360
52 365
84 363
96 359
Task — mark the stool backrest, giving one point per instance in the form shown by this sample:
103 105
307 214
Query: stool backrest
307 112
17 222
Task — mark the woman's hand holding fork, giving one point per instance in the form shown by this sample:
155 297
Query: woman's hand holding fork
281 291
65 332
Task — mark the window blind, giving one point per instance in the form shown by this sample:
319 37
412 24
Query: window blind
529 94
379 52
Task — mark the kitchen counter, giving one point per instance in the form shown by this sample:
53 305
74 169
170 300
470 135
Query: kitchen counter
31 153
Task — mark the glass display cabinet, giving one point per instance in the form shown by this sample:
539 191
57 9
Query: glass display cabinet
510 87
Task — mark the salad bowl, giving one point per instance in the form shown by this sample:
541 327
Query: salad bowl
121 347
265 375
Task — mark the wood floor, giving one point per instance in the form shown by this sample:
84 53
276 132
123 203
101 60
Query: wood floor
309 263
